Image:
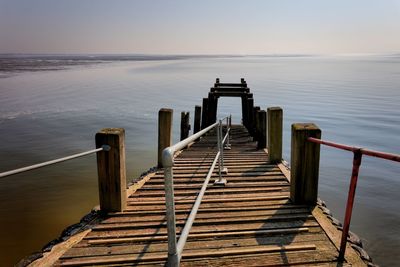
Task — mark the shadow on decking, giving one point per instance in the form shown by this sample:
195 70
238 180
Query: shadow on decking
281 215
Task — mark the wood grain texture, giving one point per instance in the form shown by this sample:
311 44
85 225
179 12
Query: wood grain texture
274 127
304 164
111 169
164 132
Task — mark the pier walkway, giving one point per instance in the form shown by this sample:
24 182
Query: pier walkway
248 222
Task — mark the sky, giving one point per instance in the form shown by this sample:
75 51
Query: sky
200 27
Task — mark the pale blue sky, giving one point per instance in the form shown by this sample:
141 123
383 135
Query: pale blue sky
200 27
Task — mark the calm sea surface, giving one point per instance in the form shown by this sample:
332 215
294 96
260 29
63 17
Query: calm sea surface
45 114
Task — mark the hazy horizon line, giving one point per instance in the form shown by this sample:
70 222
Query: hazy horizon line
203 55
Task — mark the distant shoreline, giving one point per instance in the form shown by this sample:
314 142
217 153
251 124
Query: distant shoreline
16 63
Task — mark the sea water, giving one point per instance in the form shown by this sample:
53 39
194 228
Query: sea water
51 112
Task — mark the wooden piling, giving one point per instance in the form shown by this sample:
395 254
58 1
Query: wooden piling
164 132
250 118
255 110
212 108
197 119
244 110
204 114
261 123
185 125
111 170
304 164
274 126
216 82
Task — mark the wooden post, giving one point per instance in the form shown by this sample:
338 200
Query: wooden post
243 82
262 129
216 82
111 169
304 164
256 127
244 110
185 125
197 118
274 126
250 119
212 108
164 132
255 109
204 114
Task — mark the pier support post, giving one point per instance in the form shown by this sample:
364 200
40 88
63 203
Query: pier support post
244 110
185 125
255 110
212 108
275 121
204 114
216 84
164 132
197 118
261 123
304 164
111 170
250 119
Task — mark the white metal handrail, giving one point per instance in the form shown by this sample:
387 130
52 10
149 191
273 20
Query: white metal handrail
51 162
175 248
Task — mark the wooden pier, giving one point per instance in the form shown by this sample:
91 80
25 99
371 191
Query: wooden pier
249 222
254 220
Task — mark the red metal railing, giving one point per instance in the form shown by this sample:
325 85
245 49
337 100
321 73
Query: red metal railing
358 152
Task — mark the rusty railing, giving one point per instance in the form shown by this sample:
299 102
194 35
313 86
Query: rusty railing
358 152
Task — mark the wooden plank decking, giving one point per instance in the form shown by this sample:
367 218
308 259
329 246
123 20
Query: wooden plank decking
249 222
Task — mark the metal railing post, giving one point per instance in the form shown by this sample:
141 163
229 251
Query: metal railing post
173 258
221 168
221 145
350 201
227 146
220 164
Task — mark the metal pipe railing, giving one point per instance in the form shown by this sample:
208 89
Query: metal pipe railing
51 162
358 152
193 212
175 248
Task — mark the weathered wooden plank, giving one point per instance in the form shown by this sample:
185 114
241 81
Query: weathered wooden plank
242 174
188 206
334 234
250 238
232 179
203 221
58 250
237 213
209 186
158 230
276 259
190 254
202 237
213 191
